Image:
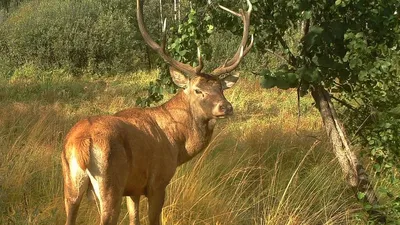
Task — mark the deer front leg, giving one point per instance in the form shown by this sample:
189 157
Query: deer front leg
133 208
156 202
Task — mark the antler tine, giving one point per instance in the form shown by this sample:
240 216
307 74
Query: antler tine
243 47
226 69
249 45
185 68
201 65
229 10
245 51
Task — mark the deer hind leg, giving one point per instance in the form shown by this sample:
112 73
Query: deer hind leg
133 208
108 173
110 209
75 184
109 196
156 202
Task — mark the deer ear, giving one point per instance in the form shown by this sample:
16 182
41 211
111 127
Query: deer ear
230 80
179 78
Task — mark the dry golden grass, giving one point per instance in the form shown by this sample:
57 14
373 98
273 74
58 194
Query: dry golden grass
262 167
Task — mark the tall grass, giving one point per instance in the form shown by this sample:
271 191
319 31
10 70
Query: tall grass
262 166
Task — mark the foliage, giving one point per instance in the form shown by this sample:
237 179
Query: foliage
374 58
374 120
76 36
336 34
375 114
351 48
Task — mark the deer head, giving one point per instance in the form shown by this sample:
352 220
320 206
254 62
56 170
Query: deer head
204 91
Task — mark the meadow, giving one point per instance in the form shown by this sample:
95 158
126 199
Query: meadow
263 166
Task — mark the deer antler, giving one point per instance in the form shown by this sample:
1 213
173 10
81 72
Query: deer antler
230 65
184 68
227 67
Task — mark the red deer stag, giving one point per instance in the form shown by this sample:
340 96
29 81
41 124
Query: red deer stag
136 151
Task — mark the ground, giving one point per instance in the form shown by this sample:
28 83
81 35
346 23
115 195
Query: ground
264 165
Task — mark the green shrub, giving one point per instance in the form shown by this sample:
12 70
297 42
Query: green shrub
74 35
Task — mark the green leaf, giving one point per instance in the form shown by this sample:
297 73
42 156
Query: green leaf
313 37
266 73
360 195
268 82
307 15
377 167
183 52
282 84
316 30
309 74
283 68
210 28
292 79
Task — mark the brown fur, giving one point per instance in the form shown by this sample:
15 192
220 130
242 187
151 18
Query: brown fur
81 143
136 151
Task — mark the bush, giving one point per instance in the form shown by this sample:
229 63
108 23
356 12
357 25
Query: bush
78 36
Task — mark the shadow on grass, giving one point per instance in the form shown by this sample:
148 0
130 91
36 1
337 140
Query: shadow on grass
241 177
266 174
49 92
71 90
30 173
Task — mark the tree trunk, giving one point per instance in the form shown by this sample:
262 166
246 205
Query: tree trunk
175 10
179 11
352 169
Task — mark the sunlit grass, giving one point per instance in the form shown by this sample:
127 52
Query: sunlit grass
263 166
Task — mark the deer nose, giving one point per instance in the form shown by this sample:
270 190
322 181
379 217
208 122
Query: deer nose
226 108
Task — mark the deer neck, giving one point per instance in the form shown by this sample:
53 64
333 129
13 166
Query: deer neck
190 134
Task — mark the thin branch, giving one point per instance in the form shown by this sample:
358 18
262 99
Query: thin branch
279 56
292 59
361 126
343 103
306 27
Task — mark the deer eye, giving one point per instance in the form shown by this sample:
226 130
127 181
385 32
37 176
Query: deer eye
197 91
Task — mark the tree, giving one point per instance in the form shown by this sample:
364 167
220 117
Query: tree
327 46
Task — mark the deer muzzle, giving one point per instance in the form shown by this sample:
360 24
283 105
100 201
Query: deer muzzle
223 109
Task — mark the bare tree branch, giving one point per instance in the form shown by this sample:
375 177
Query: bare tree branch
279 56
